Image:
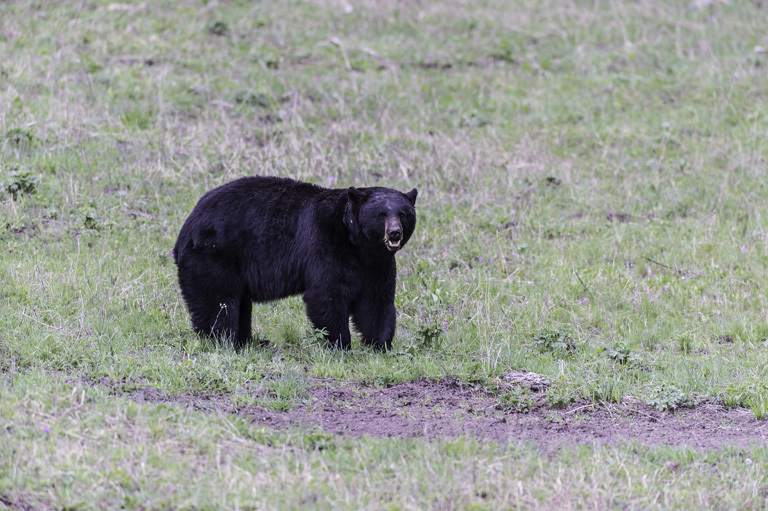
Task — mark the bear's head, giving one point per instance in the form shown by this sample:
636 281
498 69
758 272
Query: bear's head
380 219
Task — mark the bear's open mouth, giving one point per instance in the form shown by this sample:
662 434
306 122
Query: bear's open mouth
392 246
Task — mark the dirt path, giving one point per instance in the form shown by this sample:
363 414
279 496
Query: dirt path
440 410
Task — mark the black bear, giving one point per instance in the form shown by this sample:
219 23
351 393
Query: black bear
258 239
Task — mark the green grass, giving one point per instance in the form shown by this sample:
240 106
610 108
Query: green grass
72 447
589 172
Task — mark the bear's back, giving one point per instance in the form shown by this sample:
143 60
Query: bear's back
253 215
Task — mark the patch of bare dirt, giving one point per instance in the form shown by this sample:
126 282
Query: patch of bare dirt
443 410
16 503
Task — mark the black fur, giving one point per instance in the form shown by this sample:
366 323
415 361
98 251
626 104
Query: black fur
258 239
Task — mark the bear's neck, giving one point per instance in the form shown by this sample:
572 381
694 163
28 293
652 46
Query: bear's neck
384 261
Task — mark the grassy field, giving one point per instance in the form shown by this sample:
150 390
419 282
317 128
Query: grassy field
592 190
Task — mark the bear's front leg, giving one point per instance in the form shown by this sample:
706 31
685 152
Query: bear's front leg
375 319
330 313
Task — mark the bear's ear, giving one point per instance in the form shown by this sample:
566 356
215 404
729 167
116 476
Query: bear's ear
355 196
412 196
354 201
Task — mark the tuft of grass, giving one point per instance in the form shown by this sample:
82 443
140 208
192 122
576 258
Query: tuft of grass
759 406
605 390
285 391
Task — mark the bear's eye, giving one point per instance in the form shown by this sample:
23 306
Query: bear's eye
401 214
381 215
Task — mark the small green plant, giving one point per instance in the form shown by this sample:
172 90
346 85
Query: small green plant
668 397
685 343
735 394
759 405
755 394
319 440
137 118
218 28
751 393
21 137
518 399
242 397
622 354
475 119
428 337
285 391
89 217
314 337
291 334
313 345
558 342
605 391
252 98
731 400
560 397
16 182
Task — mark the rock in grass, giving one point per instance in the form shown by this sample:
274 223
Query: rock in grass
532 381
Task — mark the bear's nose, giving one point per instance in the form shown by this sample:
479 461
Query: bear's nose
394 234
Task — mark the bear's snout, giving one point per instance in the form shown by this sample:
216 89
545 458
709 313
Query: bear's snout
393 233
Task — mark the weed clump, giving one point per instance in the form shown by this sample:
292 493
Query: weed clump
518 399
18 181
252 98
559 397
319 440
22 138
557 342
668 397
752 394
759 405
428 337
622 354
605 391
218 28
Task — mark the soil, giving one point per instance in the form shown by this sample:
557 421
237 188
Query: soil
444 410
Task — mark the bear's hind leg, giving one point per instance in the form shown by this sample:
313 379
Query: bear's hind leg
244 334
224 325
214 316
213 295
